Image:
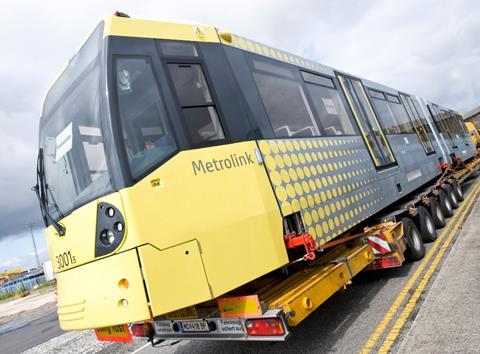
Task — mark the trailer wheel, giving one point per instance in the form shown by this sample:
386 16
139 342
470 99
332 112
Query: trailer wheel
453 199
445 203
426 226
457 190
415 247
437 213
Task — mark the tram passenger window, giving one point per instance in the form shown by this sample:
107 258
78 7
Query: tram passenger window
404 123
197 103
377 94
416 119
391 112
284 99
385 113
318 79
423 120
328 104
438 118
147 136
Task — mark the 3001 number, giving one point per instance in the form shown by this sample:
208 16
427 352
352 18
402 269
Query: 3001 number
65 259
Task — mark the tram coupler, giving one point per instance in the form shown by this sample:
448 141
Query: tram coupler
306 240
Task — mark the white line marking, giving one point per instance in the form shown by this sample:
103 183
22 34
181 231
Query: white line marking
141 348
342 323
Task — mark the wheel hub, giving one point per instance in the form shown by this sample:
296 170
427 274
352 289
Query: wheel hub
416 240
430 227
448 205
439 213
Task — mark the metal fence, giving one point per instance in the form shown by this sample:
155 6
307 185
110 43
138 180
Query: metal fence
27 282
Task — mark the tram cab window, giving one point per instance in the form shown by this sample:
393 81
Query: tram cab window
197 104
147 136
328 104
284 100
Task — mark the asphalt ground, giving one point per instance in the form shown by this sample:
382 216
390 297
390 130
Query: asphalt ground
371 315
27 330
448 320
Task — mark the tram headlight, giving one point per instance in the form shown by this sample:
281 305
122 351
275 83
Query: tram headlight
107 237
110 229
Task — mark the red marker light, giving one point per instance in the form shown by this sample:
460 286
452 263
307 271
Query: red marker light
142 329
386 262
264 327
120 14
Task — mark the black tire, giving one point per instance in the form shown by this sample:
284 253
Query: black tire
437 213
426 226
453 199
445 203
458 191
415 247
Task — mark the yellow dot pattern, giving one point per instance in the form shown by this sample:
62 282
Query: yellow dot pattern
330 181
262 49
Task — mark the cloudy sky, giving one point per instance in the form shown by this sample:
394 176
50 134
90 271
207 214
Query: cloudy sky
429 48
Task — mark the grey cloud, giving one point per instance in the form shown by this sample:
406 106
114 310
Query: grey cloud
25 261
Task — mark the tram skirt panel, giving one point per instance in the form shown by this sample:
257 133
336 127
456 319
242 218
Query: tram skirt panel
330 181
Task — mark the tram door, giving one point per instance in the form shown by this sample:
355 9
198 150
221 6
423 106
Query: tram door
367 121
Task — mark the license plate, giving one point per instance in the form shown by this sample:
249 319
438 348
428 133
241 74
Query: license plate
119 333
194 326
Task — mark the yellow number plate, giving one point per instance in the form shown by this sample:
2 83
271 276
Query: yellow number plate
119 333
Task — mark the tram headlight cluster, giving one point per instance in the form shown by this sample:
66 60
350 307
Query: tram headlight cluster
110 229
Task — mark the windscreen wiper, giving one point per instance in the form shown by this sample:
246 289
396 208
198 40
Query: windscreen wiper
40 190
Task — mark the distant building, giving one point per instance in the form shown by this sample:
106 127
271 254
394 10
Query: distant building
48 271
20 280
473 116
11 275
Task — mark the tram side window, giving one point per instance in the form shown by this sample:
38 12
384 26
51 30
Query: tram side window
451 123
196 102
417 123
462 125
147 136
328 104
439 119
404 123
284 99
422 118
385 113
391 112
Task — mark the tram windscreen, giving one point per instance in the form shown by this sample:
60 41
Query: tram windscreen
74 162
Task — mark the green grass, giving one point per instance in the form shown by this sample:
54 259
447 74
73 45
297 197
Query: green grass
7 296
20 293
48 284
25 292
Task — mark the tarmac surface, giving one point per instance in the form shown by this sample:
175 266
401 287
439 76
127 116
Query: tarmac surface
27 330
443 318
448 321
